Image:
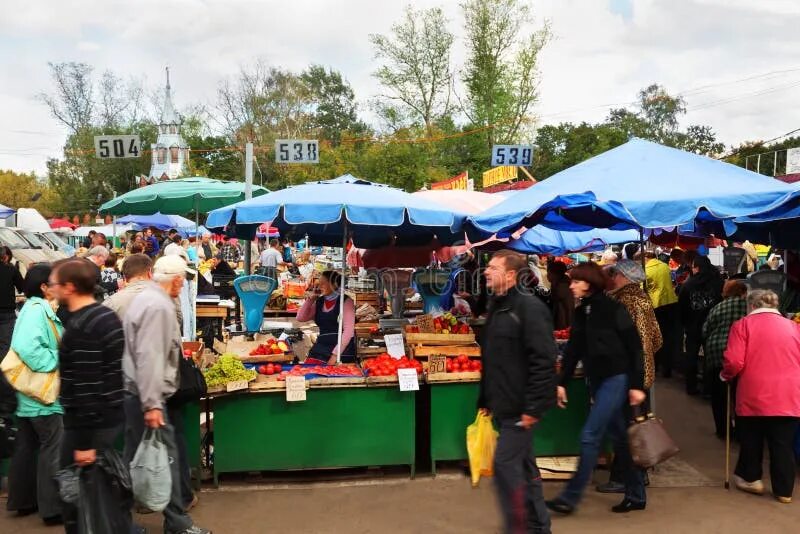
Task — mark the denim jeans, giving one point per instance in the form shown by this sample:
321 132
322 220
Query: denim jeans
608 416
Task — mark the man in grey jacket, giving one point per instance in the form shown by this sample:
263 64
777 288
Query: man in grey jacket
150 365
137 271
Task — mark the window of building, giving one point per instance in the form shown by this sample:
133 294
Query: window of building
162 155
173 151
173 129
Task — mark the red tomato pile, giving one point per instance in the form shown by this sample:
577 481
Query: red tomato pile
272 346
462 364
269 369
562 334
385 365
322 370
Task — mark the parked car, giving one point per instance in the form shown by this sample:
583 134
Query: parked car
56 243
21 250
38 244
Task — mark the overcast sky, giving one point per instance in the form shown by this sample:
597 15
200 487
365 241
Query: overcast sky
603 52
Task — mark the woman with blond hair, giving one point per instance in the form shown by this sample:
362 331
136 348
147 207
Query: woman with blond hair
763 353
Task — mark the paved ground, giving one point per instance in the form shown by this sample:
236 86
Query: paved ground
448 504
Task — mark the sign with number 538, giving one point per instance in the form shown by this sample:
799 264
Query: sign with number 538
516 155
116 146
296 151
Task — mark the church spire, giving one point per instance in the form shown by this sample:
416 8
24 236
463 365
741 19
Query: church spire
168 114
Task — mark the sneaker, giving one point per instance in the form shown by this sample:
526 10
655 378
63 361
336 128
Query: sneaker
756 487
784 500
194 529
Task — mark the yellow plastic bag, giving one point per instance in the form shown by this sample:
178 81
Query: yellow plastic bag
481 443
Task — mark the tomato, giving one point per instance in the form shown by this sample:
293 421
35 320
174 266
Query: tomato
449 366
462 359
270 369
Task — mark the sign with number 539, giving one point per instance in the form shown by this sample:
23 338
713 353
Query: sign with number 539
296 151
515 155
116 146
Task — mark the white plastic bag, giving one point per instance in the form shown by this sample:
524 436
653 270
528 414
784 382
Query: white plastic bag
150 472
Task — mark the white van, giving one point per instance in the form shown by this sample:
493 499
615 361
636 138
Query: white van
38 244
21 250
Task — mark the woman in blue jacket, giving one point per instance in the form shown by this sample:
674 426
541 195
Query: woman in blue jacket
35 340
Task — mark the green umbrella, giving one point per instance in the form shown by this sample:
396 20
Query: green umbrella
179 197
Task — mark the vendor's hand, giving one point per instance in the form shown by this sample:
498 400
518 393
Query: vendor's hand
485 412
636 397
527 421
332 360
561 396
154 418
84 458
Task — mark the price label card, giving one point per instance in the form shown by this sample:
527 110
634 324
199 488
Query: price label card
513 155
395 345
295 388
408 379
236 386
296 151
437 365
425 324
116 146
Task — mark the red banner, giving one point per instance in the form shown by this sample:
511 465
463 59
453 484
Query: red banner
456 182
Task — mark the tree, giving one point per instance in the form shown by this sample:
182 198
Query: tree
501 77
416 72
334 103
657 118
562 146
18 190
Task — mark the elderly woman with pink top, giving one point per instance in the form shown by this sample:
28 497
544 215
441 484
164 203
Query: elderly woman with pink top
323 309
763 353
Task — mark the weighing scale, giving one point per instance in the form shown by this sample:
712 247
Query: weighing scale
254 292
436 287
395 282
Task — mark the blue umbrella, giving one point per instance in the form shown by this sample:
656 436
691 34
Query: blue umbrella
5 211
159 221
542 240
329 211
372 214
639 184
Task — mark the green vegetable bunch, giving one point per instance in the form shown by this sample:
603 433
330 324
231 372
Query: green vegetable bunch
227 369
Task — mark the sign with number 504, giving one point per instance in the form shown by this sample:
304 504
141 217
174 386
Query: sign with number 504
516 155
296 151
116 146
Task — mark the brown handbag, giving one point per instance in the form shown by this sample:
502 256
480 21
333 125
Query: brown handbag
649 442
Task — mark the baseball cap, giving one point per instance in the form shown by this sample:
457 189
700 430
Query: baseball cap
172 265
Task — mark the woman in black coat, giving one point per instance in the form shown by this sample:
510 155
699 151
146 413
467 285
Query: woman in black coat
701 292
606 340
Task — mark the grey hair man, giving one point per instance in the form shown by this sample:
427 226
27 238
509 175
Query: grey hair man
151 366
97 255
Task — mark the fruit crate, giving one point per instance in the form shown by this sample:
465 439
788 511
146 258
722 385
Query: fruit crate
422 352
464 376
413 338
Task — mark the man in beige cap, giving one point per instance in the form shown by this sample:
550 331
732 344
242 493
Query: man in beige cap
151 368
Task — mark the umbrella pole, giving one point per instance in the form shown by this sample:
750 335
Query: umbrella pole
341 289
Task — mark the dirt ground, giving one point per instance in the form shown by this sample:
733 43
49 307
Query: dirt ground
447 504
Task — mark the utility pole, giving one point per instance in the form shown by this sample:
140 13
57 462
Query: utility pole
248 194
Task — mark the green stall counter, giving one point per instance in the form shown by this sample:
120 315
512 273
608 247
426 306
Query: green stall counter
453 408
333 427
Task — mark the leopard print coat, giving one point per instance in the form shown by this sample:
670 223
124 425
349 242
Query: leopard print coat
641 310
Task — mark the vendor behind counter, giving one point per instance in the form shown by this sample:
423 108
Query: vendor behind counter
322 307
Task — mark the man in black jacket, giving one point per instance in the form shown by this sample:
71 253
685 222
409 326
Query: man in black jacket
517 388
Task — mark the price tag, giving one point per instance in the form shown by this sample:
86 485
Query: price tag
425 324
295 388
513 155
408 379
116 146
236 386
437 365
296 151
395 345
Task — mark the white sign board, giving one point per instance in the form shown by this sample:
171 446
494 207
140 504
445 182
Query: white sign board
237 385
395 345
408 379
116 146
295 388
793 161
513 155
296 151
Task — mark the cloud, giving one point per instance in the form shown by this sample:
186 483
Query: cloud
603 53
